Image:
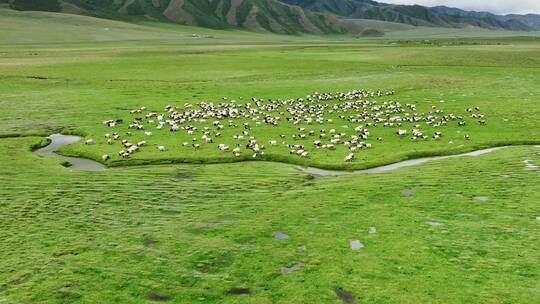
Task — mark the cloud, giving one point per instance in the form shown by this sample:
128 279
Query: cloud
493 6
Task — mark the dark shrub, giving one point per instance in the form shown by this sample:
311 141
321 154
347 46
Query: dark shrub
36 5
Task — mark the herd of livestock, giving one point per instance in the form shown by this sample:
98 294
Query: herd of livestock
303 125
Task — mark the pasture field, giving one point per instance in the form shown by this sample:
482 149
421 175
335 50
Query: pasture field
192 233
460 230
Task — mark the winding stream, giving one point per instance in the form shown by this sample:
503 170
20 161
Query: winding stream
76 163
382 169
59 140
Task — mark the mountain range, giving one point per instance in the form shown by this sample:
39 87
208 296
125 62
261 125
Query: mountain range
416 15
283 16
531 21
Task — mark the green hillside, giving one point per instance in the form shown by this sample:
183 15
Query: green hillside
56 28
255 15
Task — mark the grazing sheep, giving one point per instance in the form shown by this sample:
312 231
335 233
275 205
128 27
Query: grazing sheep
352 109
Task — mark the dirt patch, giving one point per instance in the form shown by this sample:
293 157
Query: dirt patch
154 296
372 33
184 176
239 291
344 296
149 242
212 261
37 77
481 198
66 253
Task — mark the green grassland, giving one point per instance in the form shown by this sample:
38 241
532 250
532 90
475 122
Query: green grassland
75 88
189 233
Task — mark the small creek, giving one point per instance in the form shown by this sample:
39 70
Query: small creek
394 166
76 163
59 140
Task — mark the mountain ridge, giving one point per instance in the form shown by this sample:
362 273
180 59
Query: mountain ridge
416 15
531 20
284 16
255 15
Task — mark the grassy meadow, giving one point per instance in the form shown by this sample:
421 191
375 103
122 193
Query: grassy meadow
460 230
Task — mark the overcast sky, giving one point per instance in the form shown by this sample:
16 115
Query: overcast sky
494 6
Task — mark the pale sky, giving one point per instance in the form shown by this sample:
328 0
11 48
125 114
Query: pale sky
493 6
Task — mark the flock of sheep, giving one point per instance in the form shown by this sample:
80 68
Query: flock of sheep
308 117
